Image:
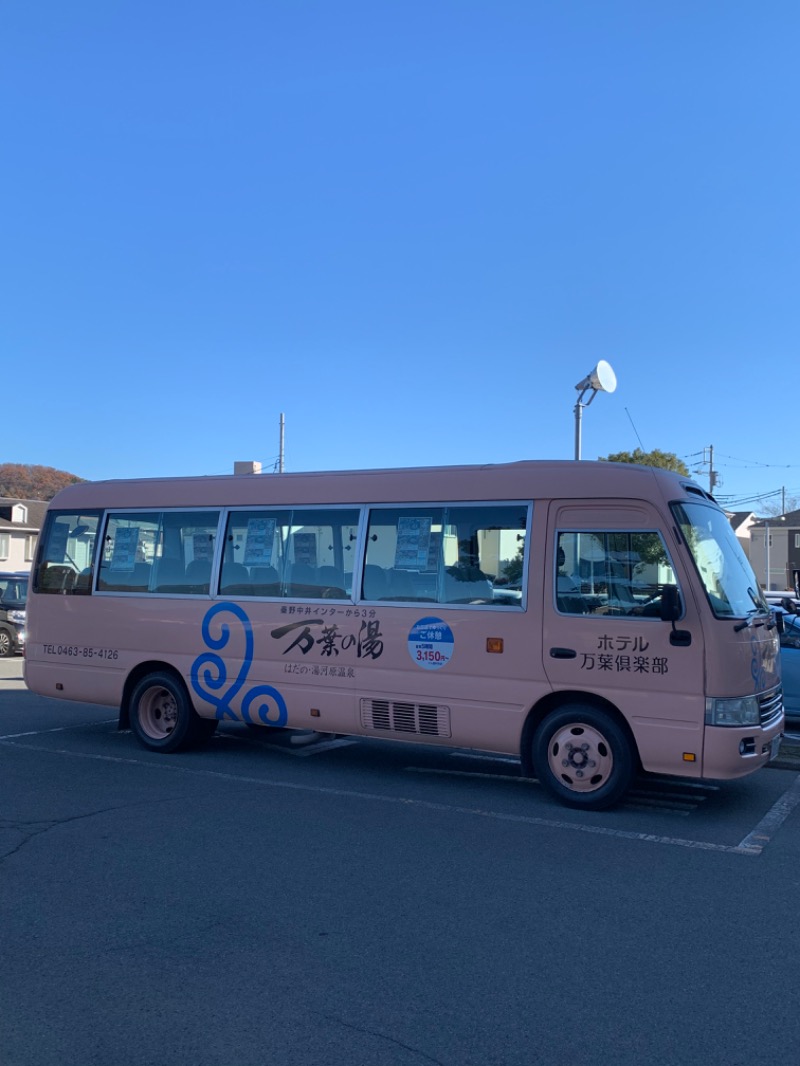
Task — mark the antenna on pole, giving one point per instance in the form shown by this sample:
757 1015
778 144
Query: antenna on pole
280 448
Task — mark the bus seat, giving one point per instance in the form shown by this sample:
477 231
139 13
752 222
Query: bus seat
302 580
134 580
198 575
331 582
236 580
569 598
375 585
84 579
170 576
467 584
401 587
266 581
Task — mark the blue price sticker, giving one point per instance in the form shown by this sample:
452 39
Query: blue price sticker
431 643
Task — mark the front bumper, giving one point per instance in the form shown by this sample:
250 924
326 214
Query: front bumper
730 753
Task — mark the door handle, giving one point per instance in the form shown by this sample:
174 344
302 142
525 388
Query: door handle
562 653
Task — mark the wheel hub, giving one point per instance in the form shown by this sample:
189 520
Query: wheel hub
159 713
580 757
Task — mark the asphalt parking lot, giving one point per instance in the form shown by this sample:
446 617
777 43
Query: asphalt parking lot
385 904
740 816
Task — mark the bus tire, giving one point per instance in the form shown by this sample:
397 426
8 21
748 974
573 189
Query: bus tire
162 716
583 757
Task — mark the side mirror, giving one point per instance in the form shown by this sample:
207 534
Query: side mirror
670 604
670 612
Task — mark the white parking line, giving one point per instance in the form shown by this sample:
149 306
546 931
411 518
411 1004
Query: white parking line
470 773
755 842
761 835
57 729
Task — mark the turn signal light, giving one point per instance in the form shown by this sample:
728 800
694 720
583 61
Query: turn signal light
494 644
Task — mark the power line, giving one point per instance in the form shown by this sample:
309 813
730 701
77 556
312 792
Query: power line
753 463
733 501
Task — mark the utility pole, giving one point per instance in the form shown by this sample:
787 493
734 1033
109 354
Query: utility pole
280 449
713 475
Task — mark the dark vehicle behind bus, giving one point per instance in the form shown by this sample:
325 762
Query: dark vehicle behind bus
13 595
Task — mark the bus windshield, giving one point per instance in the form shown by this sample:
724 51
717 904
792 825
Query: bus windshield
728 578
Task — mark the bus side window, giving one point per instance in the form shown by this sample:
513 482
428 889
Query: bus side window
469 555
66 552
617 572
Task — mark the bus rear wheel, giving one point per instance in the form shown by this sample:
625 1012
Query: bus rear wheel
583 757
162 716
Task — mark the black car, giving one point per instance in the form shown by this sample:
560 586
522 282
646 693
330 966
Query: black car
13 594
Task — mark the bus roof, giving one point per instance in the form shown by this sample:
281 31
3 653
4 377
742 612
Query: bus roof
527 479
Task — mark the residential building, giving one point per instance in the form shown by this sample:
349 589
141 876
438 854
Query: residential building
742 521
20 522
775 547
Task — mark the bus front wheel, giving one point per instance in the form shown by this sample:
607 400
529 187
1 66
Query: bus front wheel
583 757
162 717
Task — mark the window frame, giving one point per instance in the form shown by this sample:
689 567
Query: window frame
445 506
113 512
291 509
614 531
361 511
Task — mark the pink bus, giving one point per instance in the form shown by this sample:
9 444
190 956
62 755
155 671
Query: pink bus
594 619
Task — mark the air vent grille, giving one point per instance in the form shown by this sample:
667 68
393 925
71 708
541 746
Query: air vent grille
398 716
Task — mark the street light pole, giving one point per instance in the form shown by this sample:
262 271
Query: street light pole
766 521
578 416
601 379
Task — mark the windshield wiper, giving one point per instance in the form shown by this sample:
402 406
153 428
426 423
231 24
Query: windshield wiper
769 620
748 621
756 599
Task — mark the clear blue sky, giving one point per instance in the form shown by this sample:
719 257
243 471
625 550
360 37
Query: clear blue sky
411 227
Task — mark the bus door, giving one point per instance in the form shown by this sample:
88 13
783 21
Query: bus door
609 562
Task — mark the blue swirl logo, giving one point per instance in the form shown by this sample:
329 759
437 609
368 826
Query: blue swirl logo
209 673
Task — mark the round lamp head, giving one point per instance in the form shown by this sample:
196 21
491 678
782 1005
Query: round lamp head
603 377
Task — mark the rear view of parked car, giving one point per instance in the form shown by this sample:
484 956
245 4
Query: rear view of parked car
13 595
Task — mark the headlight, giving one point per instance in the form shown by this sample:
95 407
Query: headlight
17 617
738 712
